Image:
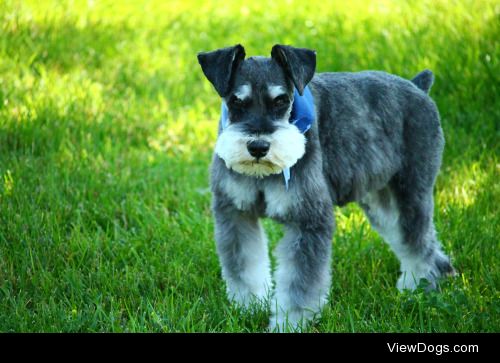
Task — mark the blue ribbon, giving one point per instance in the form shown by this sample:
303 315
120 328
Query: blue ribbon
302 116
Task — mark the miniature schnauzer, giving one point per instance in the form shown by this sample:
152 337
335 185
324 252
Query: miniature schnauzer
291 145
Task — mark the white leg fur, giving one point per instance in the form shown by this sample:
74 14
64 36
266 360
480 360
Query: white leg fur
293 312
286 316
253 284
383 213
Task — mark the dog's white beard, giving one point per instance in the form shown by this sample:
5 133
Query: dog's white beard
287 147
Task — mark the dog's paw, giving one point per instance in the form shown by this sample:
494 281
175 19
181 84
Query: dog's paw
245 301
412 274
290 319
288 322
244 297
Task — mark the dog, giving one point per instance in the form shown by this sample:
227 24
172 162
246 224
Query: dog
369 137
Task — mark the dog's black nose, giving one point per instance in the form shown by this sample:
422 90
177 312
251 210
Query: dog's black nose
258 148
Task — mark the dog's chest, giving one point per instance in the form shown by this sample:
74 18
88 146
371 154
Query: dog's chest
269 198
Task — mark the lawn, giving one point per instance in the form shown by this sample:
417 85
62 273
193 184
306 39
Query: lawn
106 132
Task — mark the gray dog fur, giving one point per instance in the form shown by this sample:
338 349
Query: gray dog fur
376 140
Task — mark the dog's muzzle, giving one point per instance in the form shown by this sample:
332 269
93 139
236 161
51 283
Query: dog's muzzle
260 155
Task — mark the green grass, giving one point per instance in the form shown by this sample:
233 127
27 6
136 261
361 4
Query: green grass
106 131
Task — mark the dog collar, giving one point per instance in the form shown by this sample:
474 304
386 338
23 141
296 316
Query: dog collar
302 116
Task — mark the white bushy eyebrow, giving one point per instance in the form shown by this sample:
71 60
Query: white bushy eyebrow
243 92
275 91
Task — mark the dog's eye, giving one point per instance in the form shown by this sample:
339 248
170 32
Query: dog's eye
237 102
281 101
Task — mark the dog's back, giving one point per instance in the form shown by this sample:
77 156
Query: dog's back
366 131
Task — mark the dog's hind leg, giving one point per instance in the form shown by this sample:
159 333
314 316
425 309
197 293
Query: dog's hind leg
243 254
405 223
403 211
420 252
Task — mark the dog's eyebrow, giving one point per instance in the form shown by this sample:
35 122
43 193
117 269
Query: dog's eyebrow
275 91
243 92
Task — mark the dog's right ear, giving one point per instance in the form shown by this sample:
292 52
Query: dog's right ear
220 65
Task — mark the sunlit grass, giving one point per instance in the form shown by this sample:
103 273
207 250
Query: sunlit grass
106 131
464 183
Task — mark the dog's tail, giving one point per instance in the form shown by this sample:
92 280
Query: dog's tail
424 80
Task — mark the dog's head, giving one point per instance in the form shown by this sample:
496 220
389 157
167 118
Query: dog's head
258 139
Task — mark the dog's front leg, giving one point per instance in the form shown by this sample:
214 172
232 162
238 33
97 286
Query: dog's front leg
303 273
243 254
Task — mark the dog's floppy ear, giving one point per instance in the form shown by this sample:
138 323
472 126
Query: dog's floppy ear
219 66
299 64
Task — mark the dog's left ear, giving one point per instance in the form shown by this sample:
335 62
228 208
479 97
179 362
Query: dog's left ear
219 66
299 64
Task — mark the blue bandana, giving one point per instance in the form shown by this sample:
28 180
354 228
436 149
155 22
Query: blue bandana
302 116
